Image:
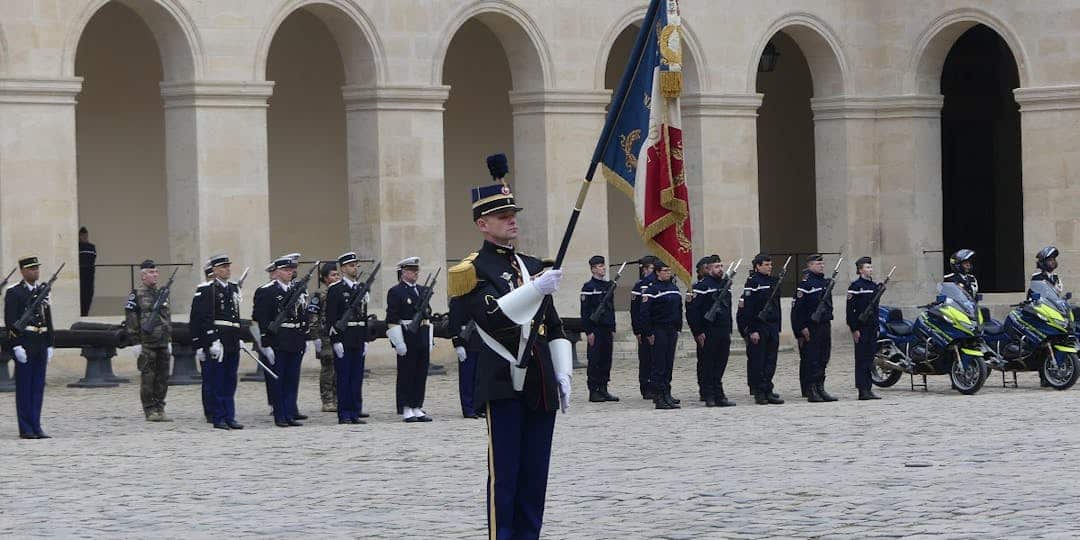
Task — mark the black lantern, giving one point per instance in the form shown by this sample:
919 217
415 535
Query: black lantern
767 62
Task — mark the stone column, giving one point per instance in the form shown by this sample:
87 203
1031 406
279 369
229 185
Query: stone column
38 190
908 144
216 174
720 131
1051 174
555 134
396 185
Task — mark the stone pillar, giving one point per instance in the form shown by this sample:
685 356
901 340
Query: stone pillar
1051 174
38 190
555 134
908 143
216 174
720 131
396 185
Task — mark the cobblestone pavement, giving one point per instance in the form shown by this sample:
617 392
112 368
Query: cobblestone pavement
936 464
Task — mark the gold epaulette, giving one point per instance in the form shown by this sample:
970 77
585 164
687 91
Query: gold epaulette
462 277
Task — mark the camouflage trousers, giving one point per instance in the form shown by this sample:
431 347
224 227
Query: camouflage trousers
327 377
154 369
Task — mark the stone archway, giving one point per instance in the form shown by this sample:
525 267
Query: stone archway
123 50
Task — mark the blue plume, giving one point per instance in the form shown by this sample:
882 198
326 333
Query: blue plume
498 166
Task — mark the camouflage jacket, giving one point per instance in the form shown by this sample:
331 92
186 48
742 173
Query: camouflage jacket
140 304
317 327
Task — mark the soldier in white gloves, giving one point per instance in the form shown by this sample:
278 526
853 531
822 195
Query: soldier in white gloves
412 345
32 347
502 291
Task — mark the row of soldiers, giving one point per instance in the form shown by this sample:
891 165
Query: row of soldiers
656 314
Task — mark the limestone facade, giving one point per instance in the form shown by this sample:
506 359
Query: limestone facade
876 70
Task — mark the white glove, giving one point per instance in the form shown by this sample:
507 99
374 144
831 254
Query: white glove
20 354
461 354
548 282
564 392
364 348
169 347
136 350
339 350
49 354
217 352
317 343
200 356
269 354
401 349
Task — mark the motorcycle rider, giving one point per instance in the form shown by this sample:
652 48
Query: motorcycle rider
1046 262
963 264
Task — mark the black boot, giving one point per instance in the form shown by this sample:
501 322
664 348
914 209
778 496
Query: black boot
867 394
674 403
774 398
802 387
710 402
672 399
825 395
761 398
608 396
662 403
812 394
596 397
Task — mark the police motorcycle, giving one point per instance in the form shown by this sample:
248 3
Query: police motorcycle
945 339
1039 334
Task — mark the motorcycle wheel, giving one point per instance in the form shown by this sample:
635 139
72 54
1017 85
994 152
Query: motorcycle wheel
884 377
1063 377
968 381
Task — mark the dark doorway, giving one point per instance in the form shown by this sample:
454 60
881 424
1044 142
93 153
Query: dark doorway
982 195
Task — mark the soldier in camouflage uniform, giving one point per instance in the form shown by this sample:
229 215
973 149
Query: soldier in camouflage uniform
154 348
328 275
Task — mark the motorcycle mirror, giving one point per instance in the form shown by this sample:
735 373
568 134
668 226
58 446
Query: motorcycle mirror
1068 296
940 298
978 297
1035 297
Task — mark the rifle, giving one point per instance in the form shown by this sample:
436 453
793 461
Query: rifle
159 302
35 303
256 338
826 295
298 289
871 309
424 302
714 309
7 278
354 305
602 309
763 315
240 282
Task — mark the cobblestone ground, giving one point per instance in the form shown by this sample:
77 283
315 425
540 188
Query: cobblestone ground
999 464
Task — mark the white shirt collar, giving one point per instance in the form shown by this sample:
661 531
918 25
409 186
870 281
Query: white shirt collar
222 283
284 286
348 281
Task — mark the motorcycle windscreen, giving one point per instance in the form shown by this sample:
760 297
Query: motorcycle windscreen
1050 295
958 297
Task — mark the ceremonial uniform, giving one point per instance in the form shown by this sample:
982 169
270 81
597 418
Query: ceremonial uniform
87 260
350 345
859 295
717 347
402 302
467 346
814 353
603 332
497 289
215 317
199 347
154 346
32 349
284 349
761 357
317 328
644 350
661 319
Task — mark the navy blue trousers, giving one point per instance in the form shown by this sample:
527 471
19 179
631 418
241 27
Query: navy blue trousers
205 385
412 369
814 354
599 355
222 388
519 453
644 359
467 382
284 389
865 349
663 359
30 390
761 362
349 370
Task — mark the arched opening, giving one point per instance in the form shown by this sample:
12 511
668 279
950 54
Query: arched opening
786 153
982 195
306 138
120 140
477 122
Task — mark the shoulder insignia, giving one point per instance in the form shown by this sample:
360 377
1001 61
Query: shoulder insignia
267 284
462 277
131 305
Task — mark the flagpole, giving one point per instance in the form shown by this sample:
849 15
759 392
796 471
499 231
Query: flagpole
618 101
